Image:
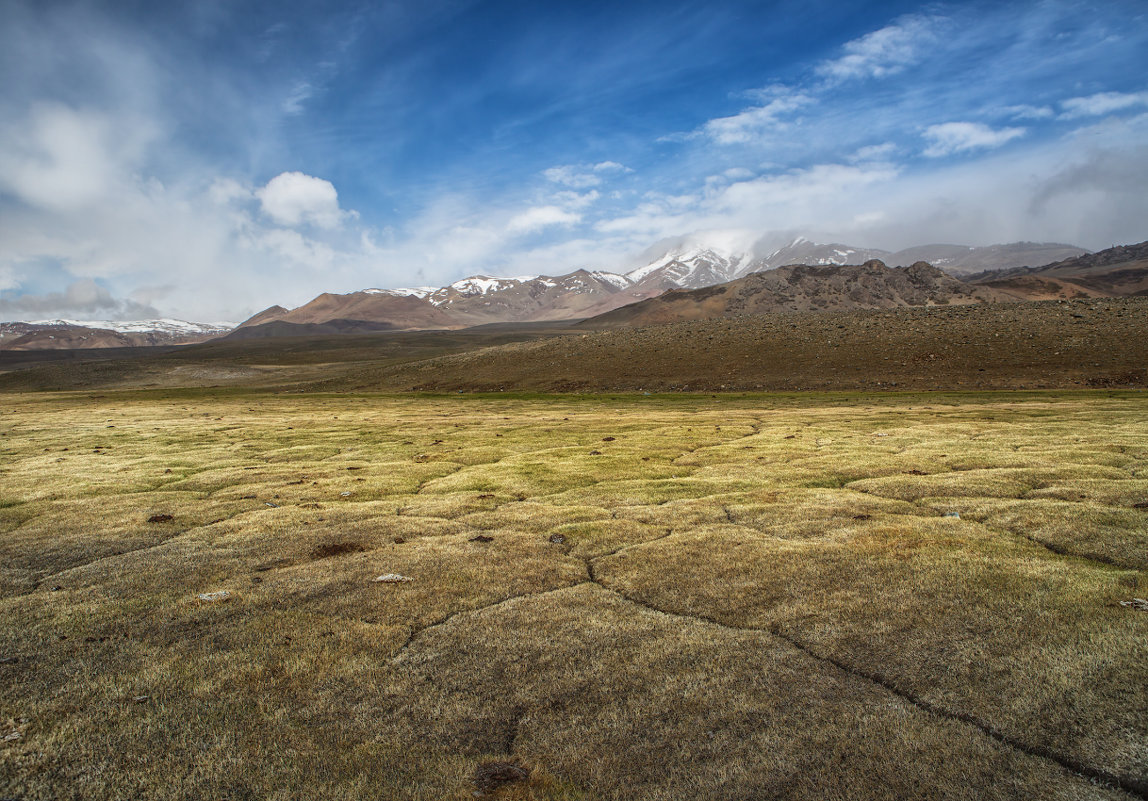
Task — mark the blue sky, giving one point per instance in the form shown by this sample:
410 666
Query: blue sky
204 160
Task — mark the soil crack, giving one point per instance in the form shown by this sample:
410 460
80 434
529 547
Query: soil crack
1134 786
416 632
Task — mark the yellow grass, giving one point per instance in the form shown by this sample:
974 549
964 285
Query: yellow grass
633 597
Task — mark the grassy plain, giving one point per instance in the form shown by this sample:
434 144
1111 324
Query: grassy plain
634 597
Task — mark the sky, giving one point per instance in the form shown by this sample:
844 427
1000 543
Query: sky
205 160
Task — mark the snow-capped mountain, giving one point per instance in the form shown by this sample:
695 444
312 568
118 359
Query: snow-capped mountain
691 269
70 334
699 260
482 299
956 260
164 325
696 261
804 251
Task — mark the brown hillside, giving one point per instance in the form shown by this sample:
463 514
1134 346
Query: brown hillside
265 316
401 313
800 288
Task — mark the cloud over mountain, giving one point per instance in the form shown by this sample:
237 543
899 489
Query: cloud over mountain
83 299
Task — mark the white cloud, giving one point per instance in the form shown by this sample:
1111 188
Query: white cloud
60 157
300 94
294 247
1101 103
883 52
571 176
956 137
583 176
725 177
752 123
227 190
879 152
292 198
540 217
822 194
576 200
1027 112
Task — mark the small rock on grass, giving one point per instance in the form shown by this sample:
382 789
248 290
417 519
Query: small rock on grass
392 578
1137 603
211 597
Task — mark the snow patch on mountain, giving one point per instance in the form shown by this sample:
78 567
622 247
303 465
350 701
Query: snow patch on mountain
420 292
482 285
161 326
614 279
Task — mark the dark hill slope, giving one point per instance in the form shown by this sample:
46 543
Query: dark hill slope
799 288
282 328
995 345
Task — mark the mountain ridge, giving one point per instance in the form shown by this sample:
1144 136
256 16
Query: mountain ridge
689 263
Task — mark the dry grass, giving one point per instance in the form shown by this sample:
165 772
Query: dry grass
627 597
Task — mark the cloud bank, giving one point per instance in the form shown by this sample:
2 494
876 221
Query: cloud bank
143 173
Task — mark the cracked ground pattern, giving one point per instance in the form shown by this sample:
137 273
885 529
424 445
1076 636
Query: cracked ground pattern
636 597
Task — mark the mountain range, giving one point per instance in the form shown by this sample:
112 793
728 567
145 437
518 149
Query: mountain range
802 275
689 265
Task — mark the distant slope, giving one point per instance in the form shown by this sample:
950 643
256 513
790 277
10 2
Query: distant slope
802 288
267 315
396 312
1115 272
1035 287
961 260
956 260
